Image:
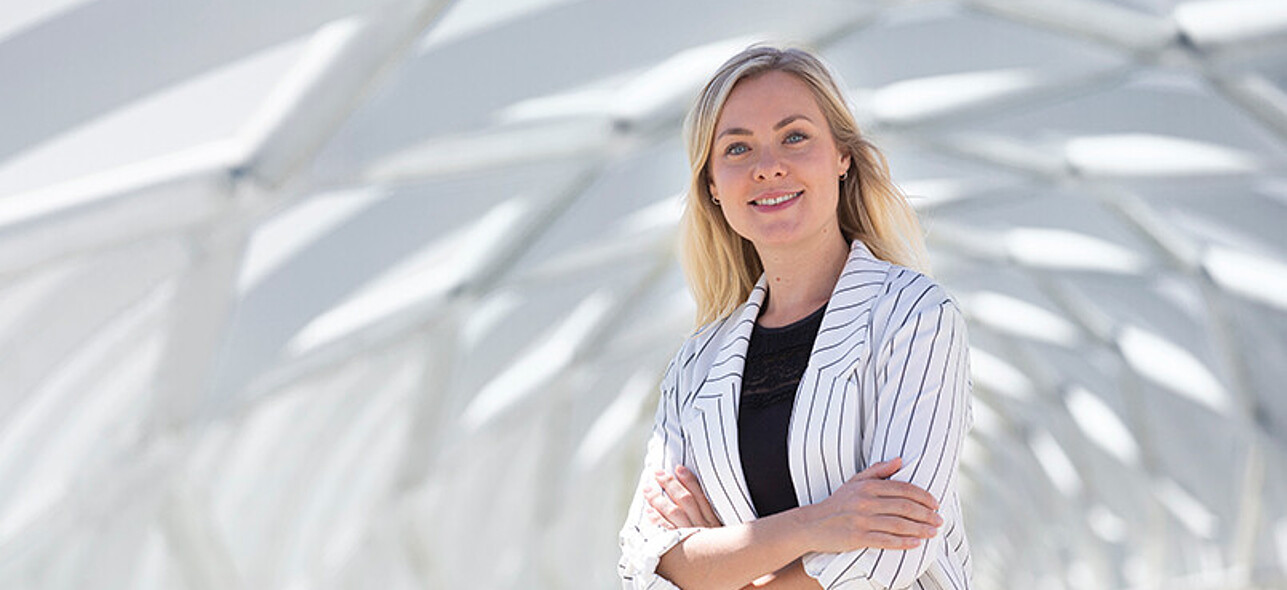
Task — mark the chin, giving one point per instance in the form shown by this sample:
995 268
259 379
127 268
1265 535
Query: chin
778 239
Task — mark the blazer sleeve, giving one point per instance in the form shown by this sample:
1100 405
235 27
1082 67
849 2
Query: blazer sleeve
642 543
922 412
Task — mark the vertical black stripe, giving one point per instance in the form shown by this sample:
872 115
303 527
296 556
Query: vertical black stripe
840 430
804 446
822 429
729 458
920 389
706 429
898 391
944 451
911 421
683 440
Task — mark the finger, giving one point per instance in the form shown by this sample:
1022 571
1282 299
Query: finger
897 525
902 489
680 495
911 510
676 517
888 541
678 508
689 479
656 518
881 470
650 493
665 507
656 501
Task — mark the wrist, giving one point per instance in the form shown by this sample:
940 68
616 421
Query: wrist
803 524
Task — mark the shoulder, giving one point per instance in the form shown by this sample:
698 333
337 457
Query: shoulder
907 293
700 342
700 348
909 288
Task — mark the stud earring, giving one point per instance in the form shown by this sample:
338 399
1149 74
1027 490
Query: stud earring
714 200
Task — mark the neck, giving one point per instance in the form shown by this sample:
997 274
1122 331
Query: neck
801 276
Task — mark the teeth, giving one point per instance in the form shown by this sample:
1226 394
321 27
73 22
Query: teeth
776 200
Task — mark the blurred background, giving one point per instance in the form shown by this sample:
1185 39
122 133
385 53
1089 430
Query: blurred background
377 293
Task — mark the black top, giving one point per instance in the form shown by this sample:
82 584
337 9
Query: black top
775 361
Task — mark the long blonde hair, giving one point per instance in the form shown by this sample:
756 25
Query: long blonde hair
721 265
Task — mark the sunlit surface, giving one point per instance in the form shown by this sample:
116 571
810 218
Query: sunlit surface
377 293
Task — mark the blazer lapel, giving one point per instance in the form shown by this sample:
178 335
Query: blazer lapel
822 441
713 424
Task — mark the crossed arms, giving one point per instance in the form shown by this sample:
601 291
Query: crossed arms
868 511
878 529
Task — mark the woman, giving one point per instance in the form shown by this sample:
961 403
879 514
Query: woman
808 434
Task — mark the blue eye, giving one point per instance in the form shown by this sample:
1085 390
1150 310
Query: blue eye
735 149
796 137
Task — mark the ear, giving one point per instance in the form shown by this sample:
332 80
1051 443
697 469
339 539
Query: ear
844 162
710 187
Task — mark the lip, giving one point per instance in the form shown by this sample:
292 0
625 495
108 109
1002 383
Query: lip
775 194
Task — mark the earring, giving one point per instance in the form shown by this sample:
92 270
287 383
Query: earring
843 175
714 200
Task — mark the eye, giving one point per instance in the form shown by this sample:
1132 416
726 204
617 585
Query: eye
735 149
796 137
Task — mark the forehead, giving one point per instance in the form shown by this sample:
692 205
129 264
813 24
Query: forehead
763 100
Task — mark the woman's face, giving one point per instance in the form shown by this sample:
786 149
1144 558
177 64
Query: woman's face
774 165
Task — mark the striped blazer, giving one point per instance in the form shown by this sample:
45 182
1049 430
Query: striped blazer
888 377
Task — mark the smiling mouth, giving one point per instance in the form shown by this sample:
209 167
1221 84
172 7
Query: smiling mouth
777 200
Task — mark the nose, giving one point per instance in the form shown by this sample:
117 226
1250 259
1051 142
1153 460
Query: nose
768 166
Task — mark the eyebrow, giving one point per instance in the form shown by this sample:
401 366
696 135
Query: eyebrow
779 125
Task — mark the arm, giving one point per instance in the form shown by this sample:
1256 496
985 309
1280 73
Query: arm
678 500
922 407
643 540
734 556
791 577
867 511
871 510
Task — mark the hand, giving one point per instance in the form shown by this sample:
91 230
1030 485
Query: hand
678 501
870 510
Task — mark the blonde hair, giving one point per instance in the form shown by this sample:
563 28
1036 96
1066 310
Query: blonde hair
722 266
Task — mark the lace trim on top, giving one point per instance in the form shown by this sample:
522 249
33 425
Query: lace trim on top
776 359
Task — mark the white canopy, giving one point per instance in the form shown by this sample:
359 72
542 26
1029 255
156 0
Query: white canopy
355 294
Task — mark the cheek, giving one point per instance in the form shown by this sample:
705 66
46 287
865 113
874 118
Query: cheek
717 172
821 159
735 216
721 182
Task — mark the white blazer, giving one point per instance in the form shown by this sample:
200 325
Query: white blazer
888 377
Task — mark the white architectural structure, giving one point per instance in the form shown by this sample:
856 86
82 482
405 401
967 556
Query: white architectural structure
376 293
